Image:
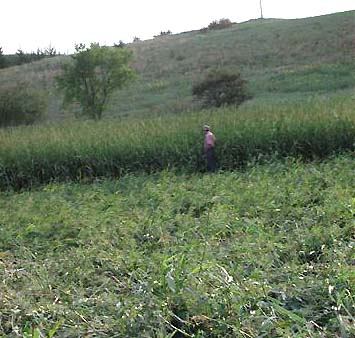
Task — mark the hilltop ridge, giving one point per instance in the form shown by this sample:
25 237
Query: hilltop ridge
276 56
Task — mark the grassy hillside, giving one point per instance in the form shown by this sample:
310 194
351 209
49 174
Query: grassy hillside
278 57
263 253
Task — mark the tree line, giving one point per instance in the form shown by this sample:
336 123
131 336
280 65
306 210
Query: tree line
21 57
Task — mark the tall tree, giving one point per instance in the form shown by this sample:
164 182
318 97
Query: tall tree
50 51
93 75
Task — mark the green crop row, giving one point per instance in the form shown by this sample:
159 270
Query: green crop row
310 129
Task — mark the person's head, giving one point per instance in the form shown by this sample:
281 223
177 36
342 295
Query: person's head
206 128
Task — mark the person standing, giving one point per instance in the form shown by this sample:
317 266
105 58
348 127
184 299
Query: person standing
208 145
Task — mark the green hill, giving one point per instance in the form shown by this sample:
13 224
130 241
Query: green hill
276 56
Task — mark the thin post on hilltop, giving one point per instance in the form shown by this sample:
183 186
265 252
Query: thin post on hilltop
261 11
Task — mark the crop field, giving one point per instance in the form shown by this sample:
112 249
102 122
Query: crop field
267 252
113 228
312 128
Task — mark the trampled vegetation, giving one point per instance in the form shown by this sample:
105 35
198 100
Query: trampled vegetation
263 253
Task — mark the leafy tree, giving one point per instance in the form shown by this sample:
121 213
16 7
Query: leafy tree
220 88
50 51
93 75
38 55
120 44
22 57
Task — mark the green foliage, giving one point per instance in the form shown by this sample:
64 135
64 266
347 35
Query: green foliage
266 251
220 24
216 25
2 59
21 105
263 252
310 78
277 57
120 44
93 75
164 33
21 57
258 131
49 51
221 88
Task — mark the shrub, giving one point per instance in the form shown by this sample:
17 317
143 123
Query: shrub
120 44
221 88
20 105
163 33
221 24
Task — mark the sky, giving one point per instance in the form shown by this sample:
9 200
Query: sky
32 24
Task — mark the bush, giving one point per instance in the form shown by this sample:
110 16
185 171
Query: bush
221 88
20 105
120 44
221 24
163 33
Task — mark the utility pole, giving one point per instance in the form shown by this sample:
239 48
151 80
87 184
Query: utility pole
261 11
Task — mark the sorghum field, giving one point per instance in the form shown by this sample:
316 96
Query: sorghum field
310 128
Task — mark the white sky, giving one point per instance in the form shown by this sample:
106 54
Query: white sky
32 24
